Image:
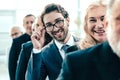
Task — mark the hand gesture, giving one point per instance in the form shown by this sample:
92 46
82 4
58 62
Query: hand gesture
38 38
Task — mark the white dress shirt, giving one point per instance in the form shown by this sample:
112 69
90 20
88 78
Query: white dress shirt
59 45
70 42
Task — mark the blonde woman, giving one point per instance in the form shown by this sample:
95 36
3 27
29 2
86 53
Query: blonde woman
94 26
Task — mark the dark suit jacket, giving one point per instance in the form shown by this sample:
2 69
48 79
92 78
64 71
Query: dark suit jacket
14 53
96 63
72 48
23 60
49 64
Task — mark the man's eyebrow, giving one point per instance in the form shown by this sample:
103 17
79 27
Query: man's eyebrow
91 17
59 19
54 20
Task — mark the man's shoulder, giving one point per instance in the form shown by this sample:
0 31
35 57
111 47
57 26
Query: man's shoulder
22 36
22 39
28 44
88 52
49 46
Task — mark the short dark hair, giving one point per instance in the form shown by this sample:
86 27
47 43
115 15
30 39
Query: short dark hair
28 15
54 7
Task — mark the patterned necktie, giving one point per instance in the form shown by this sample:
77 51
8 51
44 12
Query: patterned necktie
65 47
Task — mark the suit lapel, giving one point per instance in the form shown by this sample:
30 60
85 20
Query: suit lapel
57 57
55 52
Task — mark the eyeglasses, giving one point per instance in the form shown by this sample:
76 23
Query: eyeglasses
58 24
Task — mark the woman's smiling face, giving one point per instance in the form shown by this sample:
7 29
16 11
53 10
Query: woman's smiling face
96 23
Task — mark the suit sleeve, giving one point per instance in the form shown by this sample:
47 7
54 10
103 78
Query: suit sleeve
65 73
29 70
12 62
38 69
21 66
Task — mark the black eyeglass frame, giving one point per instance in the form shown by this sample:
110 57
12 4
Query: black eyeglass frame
60 23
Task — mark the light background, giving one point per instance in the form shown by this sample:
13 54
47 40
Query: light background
13 11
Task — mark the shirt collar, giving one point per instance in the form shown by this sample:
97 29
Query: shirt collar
70 42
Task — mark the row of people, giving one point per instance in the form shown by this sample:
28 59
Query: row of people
44 54
20 60
51 56
16 45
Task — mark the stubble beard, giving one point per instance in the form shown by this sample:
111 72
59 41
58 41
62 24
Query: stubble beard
114 41
62 39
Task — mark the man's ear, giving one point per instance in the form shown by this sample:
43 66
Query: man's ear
68 21
107 23
107 18
23 25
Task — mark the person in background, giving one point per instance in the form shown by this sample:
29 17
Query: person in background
16 45
94 26
56 23
26 53
15 32
101 62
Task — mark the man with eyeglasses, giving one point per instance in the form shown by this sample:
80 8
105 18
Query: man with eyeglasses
47 61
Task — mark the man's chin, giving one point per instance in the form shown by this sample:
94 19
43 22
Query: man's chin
116 47
60 39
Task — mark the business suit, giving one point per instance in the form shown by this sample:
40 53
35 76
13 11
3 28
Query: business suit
72 48
96 63
23 60
14 54
51 61
24 57
25 63
29 70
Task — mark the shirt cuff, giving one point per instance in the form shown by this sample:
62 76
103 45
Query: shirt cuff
36 51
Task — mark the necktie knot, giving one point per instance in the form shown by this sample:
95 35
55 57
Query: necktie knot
65 47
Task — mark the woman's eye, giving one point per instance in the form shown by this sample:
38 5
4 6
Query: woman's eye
102 19
37 25
118 18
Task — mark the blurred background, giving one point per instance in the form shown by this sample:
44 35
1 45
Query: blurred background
13 11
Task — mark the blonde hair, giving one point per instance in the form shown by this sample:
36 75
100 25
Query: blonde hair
89 41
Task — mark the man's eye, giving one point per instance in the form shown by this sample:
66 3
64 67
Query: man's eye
92 20
49 25
31 22
16 34
27 22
